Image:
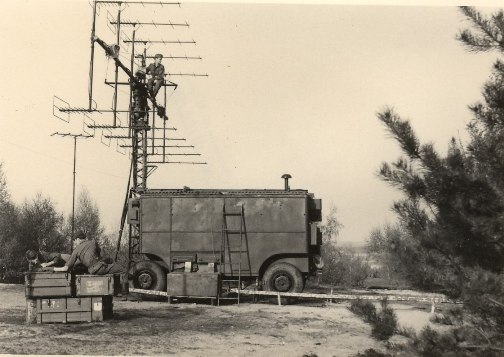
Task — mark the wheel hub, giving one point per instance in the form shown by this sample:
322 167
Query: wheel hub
282 283
145 280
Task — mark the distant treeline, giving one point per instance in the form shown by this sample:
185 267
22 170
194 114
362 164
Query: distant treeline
37 225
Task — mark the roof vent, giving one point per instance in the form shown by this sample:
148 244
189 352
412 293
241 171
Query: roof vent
286 177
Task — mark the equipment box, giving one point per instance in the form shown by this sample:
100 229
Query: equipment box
193 284
97 285
48 284
80 309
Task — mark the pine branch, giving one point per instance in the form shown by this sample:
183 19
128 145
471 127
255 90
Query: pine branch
475 43
491 29
402 132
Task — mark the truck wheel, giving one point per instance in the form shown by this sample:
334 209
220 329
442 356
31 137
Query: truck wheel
148 275
283 277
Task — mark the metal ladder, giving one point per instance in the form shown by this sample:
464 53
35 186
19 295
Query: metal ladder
229 252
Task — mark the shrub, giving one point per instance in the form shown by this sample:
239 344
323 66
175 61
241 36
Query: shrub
384 322
431 343
343 266
365 309
371 352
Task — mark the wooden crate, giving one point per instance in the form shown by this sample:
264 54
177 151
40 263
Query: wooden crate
97 285
78 309
193 284
48 284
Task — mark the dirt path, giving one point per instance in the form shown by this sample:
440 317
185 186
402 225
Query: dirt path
155 328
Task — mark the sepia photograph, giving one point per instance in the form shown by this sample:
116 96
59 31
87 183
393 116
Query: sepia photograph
252 178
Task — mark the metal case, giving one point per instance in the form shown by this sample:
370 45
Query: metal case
64 310
193 284
97 285
48 284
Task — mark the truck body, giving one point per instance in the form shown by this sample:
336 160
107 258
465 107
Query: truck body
242 233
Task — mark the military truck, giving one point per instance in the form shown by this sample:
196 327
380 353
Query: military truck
267 237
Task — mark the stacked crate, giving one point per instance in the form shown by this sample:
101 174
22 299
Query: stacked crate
62 297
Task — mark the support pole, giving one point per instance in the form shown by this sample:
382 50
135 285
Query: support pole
117 66
91 62
75 137
73 194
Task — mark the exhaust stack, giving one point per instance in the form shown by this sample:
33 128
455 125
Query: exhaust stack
286 177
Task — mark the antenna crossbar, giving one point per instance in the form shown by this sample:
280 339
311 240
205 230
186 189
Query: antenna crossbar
126 136
72 135
178 162
169 84
173 57
156 146
135 23
106 2
187 74
185 42
173 154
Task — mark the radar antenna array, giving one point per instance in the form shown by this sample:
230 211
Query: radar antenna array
148 138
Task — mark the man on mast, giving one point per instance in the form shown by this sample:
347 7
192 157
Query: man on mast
157 72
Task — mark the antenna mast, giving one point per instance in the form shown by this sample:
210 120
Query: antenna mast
147 152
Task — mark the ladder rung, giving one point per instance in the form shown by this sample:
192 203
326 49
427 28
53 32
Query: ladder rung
232 214
233 231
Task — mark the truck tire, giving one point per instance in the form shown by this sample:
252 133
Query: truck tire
283 277
148 275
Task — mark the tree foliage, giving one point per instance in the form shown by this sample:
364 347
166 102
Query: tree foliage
8 226
487 33
331 227
87 217
40 225
450 234
37 224
342 265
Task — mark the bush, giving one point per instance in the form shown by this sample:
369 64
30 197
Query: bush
343 266
431 343
384 323
372 353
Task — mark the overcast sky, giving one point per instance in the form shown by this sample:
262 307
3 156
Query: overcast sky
292 88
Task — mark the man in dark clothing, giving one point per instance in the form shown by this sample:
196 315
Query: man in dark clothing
87 253
157 71
45 259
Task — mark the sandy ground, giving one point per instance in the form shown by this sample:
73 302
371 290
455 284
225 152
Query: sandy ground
189 329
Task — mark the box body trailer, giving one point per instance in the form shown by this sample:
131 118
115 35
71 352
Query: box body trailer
241 234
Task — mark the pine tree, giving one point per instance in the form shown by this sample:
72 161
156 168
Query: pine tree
452 211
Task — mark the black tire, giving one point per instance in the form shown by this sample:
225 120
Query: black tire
283 277
148 275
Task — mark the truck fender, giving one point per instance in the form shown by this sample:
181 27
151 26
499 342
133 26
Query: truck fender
299 261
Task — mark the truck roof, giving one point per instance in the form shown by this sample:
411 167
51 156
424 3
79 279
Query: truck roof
225 192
